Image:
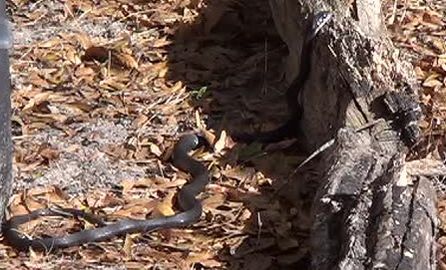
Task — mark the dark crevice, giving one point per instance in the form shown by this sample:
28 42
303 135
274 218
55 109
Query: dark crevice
408 225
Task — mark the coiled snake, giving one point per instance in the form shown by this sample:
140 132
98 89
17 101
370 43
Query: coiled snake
191 210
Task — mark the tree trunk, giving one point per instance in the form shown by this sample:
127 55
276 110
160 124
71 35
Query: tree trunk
5 114
373 209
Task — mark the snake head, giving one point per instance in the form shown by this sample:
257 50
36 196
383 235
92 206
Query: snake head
192 141
320 19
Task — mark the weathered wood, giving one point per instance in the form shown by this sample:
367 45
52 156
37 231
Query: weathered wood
369 213
352 66
5 112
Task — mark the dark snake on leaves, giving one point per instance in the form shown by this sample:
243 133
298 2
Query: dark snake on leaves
191 210
294 92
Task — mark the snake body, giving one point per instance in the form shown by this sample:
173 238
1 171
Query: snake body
294 92
191 210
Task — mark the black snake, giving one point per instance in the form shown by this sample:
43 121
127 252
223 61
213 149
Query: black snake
191 210
294 92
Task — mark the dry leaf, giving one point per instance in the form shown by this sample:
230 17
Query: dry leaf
127 185
136 208
162 72
221 143
36 100
127 247
50 43
126 60
154 149
165 208
208 135
84 40
49 153
162 42
177 87
204 258
214 201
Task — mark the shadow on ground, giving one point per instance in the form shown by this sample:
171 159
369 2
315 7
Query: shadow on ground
231 58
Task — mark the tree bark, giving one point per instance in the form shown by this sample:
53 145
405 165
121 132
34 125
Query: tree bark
5 114
373 210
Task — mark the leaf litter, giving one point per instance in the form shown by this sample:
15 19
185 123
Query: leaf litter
101 93
103 90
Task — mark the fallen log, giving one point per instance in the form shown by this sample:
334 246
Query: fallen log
372 210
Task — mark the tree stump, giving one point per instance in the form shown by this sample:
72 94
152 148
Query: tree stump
5 113
373 210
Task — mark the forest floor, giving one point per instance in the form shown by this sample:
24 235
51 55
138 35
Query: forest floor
103 89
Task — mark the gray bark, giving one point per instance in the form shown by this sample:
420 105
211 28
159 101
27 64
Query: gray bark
5 113
370 211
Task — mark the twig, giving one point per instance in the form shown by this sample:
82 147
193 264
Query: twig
321 149
393 16
260 225
265 69
330 143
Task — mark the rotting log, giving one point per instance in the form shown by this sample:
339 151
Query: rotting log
5 112
373 210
